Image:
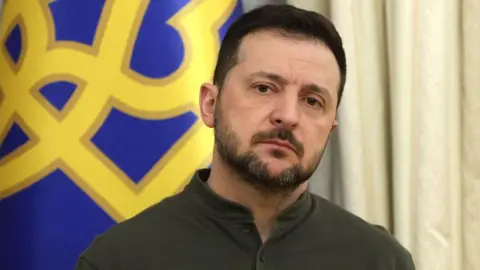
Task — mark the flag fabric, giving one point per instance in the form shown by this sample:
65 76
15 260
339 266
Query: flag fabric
98 116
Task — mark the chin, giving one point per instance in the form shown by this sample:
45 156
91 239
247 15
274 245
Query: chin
275 168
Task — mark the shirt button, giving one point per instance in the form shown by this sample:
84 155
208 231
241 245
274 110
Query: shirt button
246 228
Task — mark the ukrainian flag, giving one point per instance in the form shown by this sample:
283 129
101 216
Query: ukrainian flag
98 116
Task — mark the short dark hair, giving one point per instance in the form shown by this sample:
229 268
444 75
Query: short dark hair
288 20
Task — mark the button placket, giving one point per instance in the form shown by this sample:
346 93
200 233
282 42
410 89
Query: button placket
260 265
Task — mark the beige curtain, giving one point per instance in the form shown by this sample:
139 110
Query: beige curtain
407 152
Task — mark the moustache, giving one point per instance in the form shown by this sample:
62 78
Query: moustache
279 134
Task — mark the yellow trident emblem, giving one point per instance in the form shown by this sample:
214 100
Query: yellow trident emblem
62 139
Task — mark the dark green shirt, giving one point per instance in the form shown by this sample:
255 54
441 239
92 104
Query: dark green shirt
196 229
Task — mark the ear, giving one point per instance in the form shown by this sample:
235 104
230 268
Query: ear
334 125
208 101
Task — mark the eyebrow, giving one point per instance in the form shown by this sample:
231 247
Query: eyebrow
283 81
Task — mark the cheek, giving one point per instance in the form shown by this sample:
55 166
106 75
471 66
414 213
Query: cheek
247 120
316 141
237 124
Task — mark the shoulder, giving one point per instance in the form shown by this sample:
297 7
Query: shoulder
343 225
151 230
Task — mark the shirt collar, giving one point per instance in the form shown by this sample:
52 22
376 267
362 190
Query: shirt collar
219 207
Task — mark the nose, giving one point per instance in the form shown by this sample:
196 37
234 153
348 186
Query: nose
286 112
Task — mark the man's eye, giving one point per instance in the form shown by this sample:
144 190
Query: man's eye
263 88
313 102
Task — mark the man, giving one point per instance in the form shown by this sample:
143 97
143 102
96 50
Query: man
273 102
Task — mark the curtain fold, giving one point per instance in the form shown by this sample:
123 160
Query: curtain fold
400 53
362 116
471 134
436 135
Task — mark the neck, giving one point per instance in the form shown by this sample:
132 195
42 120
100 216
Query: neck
265 206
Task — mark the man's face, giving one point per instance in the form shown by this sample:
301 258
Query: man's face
276 110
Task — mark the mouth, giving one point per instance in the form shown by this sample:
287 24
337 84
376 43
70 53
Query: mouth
280 143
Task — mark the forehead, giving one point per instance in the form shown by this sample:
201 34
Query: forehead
300 60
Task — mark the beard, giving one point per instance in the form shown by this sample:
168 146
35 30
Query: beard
250 167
